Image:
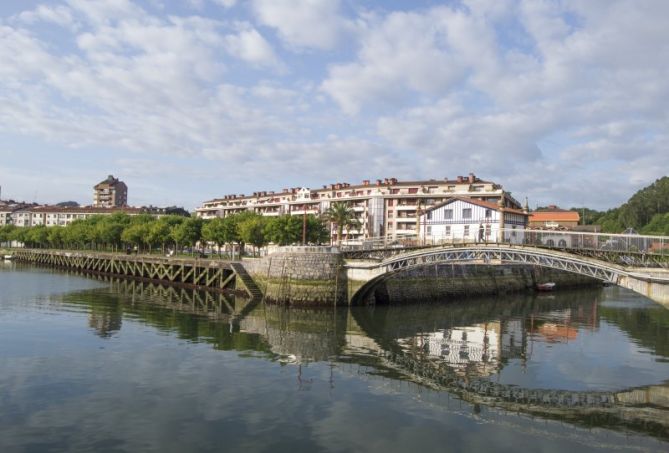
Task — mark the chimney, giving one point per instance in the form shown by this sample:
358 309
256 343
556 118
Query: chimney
393 180
472 178
459 179
365 182
378 182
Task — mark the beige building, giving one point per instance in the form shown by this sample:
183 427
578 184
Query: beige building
385 207
57 216
110 193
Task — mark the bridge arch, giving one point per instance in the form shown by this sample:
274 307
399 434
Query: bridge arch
656 288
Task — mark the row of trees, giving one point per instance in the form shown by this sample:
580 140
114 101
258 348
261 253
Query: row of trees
147 233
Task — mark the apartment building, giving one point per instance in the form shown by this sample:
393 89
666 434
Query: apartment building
57 216
385 207
110 193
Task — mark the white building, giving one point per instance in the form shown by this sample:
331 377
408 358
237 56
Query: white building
470 220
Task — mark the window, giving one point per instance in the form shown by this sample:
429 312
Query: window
390 214
394 191
466 233
413 189
488 213
448 214
467 213
390 225
390 202
429 215
429 230
562 243
448 230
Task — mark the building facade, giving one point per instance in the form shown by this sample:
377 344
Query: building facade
384 208
58 216
471 220
553 217
110 193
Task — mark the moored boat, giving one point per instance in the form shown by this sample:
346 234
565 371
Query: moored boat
8 257
548 286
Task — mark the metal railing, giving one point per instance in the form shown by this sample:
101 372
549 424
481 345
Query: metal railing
555 239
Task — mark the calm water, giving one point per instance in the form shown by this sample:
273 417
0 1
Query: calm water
90 365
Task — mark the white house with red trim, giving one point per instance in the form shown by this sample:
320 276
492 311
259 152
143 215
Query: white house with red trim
469 220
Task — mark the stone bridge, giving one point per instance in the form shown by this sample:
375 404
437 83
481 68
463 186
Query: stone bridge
363 275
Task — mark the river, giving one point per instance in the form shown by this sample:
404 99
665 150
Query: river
116 365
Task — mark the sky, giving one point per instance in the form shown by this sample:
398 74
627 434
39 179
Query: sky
563 102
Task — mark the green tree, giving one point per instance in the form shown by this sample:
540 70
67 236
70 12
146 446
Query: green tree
252 231
6 233
317 230
188 232
658 225
342 216
109 233
37 236
215 231
55 236
284 230
79 234
136 235
159 233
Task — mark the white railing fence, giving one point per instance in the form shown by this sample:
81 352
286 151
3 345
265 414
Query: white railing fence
567 240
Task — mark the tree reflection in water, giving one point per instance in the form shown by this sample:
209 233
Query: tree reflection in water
463 348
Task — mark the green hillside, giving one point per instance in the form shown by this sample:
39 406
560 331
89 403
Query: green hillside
647 211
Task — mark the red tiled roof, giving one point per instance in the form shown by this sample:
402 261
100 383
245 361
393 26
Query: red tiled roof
555 216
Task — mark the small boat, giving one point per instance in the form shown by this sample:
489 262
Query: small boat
8 257
549 286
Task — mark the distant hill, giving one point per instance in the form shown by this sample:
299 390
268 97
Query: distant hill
647 211
68 204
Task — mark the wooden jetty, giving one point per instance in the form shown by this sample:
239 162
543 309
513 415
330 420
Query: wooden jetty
191 272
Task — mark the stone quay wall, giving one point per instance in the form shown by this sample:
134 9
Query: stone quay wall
453 281
301 276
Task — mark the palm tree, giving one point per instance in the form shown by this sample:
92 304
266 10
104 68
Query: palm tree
343 216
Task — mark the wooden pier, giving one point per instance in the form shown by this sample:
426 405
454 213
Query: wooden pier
190 272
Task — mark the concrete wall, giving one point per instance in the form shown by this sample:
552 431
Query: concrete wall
655 290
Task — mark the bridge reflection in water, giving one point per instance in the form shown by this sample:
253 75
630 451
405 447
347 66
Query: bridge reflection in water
473 351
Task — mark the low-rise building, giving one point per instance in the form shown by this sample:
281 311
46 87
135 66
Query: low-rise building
383 208
466 220
63 216
553 217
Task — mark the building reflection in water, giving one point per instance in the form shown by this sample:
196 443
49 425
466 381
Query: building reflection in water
461 347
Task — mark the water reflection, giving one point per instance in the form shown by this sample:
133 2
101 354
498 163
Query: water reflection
592 358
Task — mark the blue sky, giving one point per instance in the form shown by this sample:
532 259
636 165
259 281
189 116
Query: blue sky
561 101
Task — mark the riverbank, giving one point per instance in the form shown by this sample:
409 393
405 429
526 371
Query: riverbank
312 276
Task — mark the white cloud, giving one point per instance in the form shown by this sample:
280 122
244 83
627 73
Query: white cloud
311 24
548 97
250 46
406 54
60 15
226 3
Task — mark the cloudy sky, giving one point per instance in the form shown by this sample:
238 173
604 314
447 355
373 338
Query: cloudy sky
561 101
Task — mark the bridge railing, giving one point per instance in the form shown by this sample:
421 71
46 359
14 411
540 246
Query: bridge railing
557 239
